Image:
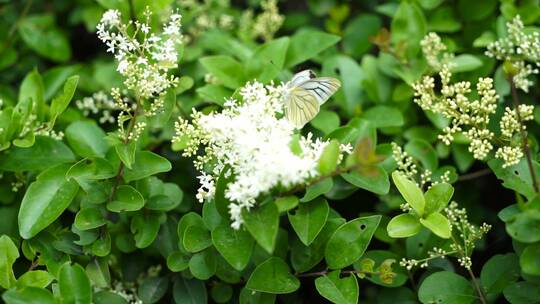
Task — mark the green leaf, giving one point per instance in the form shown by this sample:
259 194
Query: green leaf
214 93
28 295
373 179
329 158
226 69
91 169
89 218
35 278
45 153
517 177
234 245
98 272
152 289
309 219
186 291
263 223
438 224
326 121
307 44
8 254
410 192
338 290
108 297
267 60
446 287
524 226
349 241
286 203
41 34
45 200
126 198
145 228
273 276
522 293
32 90
499 272
437 197
74 285
87 139
403 225
530 260
196 238
203 265
465 63
146 163
126 153
384 116
221 293
61 101
178 261
188 219
317 189
357 33
423 151
408 26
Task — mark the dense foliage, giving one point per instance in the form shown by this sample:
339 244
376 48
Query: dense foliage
173 151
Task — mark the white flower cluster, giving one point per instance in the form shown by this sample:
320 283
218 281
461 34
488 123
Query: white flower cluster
518 48
144 58
471 117
98 102
435 51
250 140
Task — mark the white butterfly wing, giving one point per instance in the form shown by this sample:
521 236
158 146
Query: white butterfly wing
322 88
301 106
301 77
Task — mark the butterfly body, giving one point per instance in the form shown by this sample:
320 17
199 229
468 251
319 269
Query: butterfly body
306 93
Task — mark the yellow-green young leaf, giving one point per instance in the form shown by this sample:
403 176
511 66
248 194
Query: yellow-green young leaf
35 278
8 254
403 225
437 197
309 219
273 276
350 240
45 200
74 285
438 224
410 192
338 290
329 158
234 245
61 101
263 224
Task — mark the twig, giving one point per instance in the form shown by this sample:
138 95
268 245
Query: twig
524 141
473 175
325 272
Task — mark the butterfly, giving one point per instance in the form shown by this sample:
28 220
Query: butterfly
305 95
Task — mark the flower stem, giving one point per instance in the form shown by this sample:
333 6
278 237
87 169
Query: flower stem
476 286
525 144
